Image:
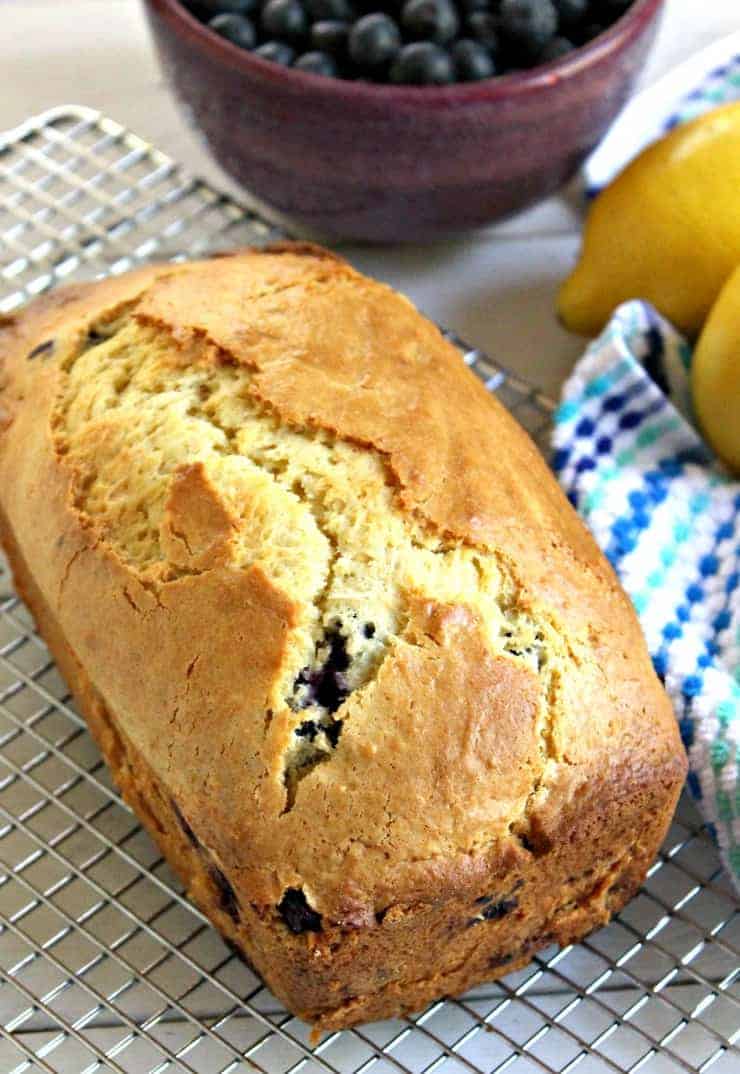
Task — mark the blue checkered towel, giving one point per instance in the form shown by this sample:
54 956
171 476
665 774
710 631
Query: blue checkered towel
667 515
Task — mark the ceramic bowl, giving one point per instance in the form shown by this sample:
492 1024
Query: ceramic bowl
362 161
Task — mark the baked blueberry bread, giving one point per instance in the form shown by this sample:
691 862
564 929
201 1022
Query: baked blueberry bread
349 653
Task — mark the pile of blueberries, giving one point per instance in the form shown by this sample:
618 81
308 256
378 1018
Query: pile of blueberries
412 42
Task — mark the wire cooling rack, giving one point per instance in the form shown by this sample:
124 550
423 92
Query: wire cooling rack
104 966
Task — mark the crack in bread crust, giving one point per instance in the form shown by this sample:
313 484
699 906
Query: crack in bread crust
318 515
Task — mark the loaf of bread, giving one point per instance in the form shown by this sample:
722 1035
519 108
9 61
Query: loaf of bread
349 653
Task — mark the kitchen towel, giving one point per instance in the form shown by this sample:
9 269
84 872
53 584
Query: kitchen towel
667 515
664 510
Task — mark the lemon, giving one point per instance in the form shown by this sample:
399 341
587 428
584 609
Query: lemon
667 229
715 375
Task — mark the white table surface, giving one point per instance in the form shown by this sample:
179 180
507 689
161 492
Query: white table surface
496 287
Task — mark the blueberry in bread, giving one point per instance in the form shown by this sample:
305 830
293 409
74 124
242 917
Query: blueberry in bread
349 653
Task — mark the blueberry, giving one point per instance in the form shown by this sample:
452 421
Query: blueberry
369 630
308 729
372 7
44 349
430 20
327 684
277 52
613 8
555 48
469 6
500 960
374 40
330 9
496 910
226 895
333 731
528 24
422 64
493 911
209 8
316 63
483 27
192 838
330 35
527 843
285 19
237 29
297 914
571 12
472 61
588 32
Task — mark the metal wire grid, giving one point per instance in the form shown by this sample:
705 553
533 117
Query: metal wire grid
104 966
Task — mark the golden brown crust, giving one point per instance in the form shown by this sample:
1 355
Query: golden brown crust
449 778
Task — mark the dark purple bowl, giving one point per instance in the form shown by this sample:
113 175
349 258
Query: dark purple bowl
386 163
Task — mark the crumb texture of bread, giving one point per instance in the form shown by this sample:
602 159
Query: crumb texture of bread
350 654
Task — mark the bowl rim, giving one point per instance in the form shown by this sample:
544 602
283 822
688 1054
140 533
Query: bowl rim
625 29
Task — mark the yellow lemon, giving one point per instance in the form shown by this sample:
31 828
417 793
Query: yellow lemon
666 229
715 374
